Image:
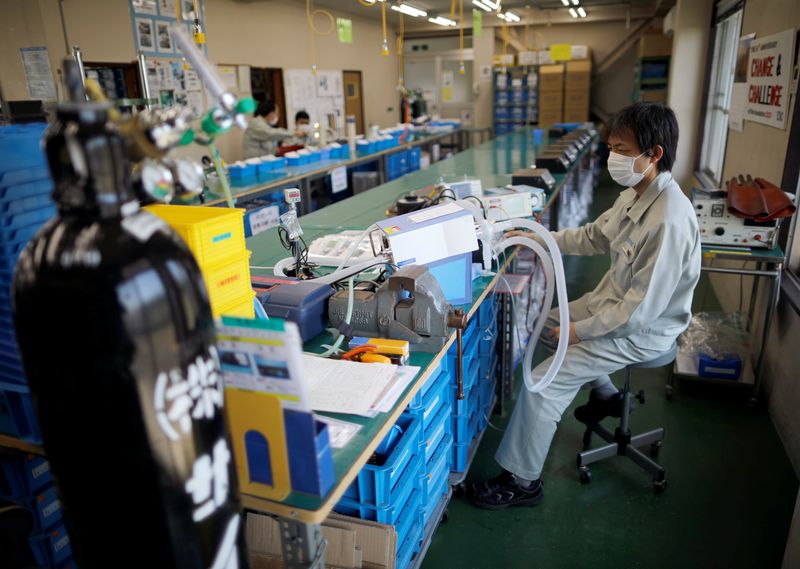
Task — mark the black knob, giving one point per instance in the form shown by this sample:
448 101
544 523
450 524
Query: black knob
720 231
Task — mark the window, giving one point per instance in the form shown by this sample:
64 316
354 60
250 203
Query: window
715 131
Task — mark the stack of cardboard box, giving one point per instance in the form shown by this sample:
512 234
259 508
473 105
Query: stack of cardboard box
551 94
578 86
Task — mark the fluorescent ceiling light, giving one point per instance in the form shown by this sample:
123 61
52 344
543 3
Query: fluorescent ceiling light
501 15
442 21
565 2
409 10
492 5
481 5
574 2
572 12
509 17
581 11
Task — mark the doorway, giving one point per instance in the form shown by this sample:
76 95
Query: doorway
354 98
266 84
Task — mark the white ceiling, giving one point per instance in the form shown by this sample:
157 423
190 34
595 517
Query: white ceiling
531 11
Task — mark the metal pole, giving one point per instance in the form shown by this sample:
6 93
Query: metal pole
143 80
78 57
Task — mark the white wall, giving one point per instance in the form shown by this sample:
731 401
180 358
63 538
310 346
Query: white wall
687 73
265 34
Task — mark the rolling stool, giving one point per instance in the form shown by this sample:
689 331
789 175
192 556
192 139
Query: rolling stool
621 442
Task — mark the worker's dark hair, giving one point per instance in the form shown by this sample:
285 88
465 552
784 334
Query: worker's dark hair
264 108
301 115
653 124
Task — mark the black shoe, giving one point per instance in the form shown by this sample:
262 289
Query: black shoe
508 493
597 409
492 485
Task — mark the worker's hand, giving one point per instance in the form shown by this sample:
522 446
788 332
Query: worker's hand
518 233
573 337
300 133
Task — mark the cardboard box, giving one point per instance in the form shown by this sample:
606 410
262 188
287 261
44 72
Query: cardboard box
352 543
576 115
581 52
528 58
500 59
551 100
579 75
577 99
551 78
547 118
655 45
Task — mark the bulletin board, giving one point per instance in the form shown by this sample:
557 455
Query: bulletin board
319 95
150 20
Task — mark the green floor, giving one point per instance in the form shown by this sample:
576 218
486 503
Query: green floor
728 505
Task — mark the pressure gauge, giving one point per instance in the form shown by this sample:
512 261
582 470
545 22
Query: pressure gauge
157 181
189 177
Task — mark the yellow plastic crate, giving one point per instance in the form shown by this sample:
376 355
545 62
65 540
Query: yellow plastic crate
228 283
214 234
244 309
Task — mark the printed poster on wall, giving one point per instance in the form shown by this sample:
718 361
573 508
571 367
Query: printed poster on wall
151 20
769 75
36 65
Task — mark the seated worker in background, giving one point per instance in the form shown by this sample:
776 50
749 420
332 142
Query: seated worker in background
303 130
634 314
262 136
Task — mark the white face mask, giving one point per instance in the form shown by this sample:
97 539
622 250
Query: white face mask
621 169
272 122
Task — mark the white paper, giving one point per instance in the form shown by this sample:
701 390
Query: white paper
192 80
737 106
339 179
144 7
145 34
266 360
264 219
164 37
36 65
403 378
167 8
229 76
340 432
340 386
243 79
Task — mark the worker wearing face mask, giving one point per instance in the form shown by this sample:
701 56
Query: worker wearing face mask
262 135
634 314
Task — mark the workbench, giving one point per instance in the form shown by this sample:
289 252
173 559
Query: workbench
493 162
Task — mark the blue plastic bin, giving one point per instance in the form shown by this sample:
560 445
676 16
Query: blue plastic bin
389 514
52 548
438 429
17 416
380 486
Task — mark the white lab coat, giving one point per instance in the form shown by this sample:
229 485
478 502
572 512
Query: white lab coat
634 314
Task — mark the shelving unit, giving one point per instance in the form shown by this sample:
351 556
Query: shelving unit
516 98
651 79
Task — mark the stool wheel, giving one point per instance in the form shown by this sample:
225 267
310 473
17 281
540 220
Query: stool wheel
659 486
587 439
585 474
640 396
668 393
655 448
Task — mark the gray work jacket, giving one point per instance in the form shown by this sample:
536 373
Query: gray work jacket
654 244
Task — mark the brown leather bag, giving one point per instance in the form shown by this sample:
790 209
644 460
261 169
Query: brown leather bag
757 199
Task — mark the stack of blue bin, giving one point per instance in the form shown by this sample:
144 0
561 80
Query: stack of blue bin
25 205
389 491
27 481
431 406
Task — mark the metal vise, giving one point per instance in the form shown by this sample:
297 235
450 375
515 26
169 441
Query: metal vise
409 306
